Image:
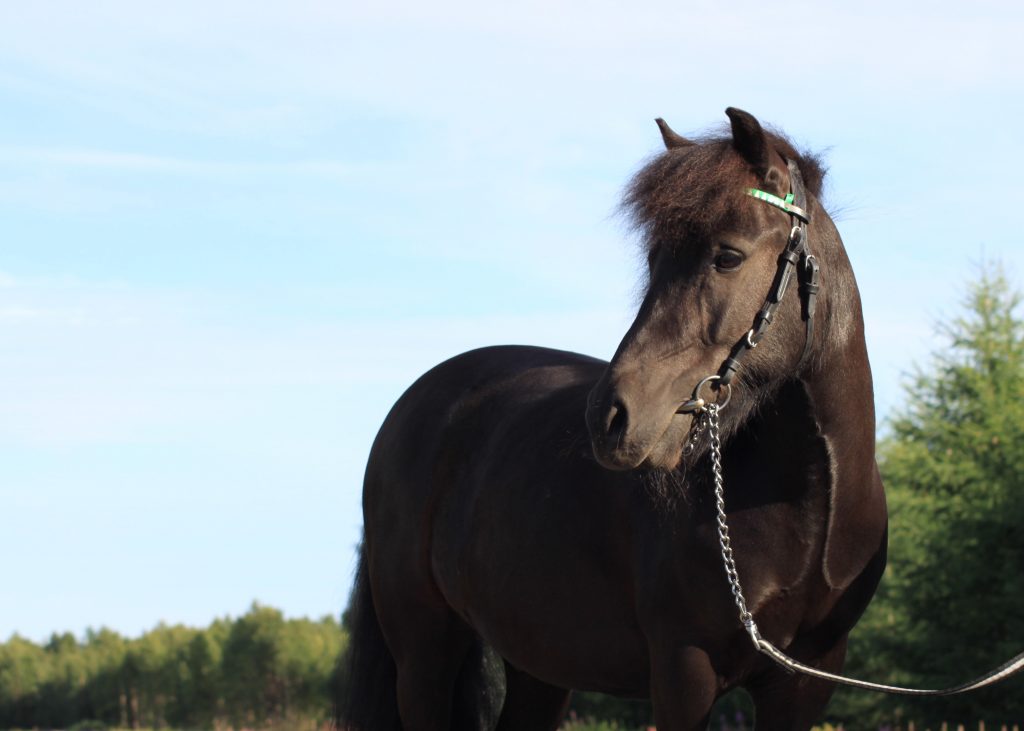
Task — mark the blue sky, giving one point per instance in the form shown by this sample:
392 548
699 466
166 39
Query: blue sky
232 235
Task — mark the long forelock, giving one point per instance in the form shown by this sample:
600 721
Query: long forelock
685 194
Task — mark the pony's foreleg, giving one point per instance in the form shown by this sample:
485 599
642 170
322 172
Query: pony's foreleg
683 688
792 702
531 704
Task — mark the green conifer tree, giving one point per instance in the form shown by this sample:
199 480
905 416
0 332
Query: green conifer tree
951 605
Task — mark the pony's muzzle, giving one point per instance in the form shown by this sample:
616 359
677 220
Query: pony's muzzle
610 423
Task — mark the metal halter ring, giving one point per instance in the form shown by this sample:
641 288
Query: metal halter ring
696 403
728 393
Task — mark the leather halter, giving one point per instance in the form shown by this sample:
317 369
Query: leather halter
797 252
796 256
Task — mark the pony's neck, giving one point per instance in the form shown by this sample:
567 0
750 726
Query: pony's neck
838 379
839 387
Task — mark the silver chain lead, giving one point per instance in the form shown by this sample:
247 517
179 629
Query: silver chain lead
708 420
710 416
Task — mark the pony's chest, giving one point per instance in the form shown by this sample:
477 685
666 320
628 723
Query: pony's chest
777 547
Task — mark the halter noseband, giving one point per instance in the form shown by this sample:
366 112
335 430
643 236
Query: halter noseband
797 251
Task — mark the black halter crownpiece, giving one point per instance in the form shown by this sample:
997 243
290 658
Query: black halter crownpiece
796 252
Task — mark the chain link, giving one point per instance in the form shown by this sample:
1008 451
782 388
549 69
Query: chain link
710 416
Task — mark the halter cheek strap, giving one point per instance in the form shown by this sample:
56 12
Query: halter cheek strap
796 256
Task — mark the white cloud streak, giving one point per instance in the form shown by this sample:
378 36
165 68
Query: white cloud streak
260 67
146 163
85 363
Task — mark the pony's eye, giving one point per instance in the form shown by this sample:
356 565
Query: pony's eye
728 261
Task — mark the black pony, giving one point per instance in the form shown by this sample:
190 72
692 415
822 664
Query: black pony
533 523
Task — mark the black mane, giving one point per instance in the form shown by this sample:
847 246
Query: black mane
688 192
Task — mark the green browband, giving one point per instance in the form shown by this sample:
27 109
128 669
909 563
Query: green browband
786 204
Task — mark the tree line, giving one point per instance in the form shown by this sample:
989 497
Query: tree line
254 671
950 606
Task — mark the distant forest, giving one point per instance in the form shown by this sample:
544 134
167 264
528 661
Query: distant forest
254 671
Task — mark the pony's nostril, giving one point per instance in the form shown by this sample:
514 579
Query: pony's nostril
617 422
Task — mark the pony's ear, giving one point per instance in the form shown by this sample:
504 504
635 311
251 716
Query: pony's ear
752 144
672 140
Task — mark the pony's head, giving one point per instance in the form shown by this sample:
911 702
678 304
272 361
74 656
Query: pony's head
713 253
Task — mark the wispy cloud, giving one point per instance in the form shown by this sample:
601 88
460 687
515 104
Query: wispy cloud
94 363
289 69
162 164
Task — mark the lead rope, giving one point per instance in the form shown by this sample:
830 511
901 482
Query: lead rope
708 420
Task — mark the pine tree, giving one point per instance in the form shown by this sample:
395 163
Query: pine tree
951 605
